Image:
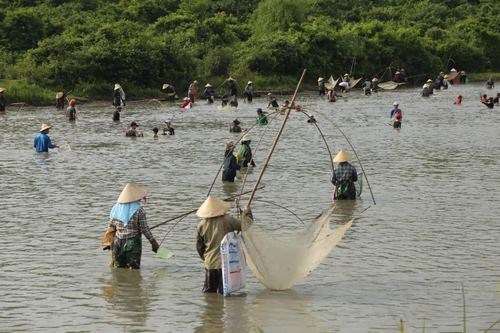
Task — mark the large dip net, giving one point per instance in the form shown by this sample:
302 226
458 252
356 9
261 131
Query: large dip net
280 263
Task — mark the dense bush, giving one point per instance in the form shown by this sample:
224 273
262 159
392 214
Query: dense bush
144 43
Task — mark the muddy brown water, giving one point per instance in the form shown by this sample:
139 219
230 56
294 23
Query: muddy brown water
435 225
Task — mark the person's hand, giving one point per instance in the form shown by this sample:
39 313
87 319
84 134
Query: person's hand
107 247
155 246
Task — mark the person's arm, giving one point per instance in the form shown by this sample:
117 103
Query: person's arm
334 178
144 228
200 246
49 143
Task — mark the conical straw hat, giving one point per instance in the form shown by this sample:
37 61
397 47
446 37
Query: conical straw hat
342 156
246 137
2 90
165 86
213 207
59 94
132 192
117 86
320 79
44 127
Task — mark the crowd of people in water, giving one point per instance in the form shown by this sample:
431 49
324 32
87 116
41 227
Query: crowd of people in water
127 217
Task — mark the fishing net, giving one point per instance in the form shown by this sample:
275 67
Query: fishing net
281 263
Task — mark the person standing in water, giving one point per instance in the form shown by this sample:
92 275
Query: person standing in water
118 96
234 127
71 110
42 142
212 228
244 152
128 220
230 165
321 86
116 113
396 115
261 117
344 176
248 93
2 100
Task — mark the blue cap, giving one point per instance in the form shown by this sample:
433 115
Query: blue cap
259 110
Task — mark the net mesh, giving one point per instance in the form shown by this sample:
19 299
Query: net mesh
280 263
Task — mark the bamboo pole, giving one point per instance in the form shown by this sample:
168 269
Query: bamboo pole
266 162
194 210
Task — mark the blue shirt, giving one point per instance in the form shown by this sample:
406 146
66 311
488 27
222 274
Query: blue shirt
42 143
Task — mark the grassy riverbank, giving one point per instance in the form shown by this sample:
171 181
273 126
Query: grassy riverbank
20 91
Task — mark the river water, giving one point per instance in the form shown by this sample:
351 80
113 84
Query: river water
434 228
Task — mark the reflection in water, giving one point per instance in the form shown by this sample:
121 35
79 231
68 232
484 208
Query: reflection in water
284 311
125 292
269 311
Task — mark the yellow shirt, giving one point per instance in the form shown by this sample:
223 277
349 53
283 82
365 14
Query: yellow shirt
212 231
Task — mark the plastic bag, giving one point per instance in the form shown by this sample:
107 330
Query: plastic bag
233 263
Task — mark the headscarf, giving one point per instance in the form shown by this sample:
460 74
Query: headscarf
124 211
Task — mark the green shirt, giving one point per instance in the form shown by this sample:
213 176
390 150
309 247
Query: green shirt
211 231
261 119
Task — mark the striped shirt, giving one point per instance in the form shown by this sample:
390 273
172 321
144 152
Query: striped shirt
134 227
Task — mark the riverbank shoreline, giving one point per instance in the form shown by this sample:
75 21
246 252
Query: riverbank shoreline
22 93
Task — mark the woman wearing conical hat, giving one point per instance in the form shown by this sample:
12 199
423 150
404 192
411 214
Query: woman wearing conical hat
118 96
230 165
214 224
128 219
344 176
244 152
42 142
248 92
321 86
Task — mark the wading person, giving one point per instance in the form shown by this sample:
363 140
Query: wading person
128 219
2 100
344 176
230 165
209 93
116 113
42 142
272 102
167 127
396 115
321 86
60 97
71 110
170 91
234 127
261 117
248 93
211 229
193 90
244 152
118 96
132 131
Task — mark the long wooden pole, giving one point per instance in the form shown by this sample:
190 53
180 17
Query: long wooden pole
266 162
194 210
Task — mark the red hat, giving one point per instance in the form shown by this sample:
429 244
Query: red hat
72 102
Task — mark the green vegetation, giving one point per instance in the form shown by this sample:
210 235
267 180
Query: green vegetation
88 45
